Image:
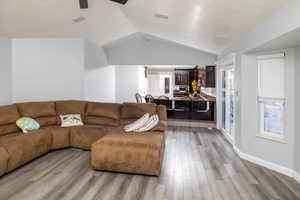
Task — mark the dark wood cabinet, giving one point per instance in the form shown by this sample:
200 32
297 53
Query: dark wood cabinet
210 77
202 76
182 77
207 76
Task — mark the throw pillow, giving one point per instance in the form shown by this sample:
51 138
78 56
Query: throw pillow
150 124
71 120
137 124
27 124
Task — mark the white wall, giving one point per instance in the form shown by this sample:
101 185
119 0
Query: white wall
283 22
136 50
297 110
47 69
99 78
127 82
5 71
154 85
100 84
94 55
275 152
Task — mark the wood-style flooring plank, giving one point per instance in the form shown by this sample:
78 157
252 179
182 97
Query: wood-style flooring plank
199 164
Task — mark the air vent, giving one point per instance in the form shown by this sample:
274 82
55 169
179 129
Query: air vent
120 1
78 19
161 16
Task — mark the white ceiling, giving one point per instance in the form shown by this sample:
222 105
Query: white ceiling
208 25
288 40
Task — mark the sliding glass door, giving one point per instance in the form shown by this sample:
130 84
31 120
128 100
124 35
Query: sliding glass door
227 98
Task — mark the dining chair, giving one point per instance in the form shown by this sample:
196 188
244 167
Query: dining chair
149 98
139 98
164 100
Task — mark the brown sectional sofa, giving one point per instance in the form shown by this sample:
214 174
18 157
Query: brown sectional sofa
112 149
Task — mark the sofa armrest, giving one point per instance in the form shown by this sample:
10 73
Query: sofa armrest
162 112
161 126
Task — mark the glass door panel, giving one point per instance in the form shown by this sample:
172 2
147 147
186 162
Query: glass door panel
228 103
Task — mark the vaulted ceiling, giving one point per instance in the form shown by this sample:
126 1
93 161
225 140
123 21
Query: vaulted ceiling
208 25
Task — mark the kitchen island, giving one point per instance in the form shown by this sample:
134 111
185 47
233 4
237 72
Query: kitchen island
199 107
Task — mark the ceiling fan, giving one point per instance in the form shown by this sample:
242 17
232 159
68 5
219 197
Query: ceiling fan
84 3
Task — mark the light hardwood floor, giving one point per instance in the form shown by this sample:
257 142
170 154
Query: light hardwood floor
199 164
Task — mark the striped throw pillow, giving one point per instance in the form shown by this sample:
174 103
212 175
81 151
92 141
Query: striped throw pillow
150 124
137 124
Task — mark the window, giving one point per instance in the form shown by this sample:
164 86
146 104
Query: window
271 97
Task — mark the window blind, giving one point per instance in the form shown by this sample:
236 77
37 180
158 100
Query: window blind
271 76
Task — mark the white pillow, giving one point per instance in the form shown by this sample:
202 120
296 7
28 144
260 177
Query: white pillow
150 124
71 120
137 124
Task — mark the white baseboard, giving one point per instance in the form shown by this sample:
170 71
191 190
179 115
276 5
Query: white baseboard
264 163
229 138
267 164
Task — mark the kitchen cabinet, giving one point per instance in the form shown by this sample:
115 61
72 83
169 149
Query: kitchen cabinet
202 76
210 77
182 77
207 76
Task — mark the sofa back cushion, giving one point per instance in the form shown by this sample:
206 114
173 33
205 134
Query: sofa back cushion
8 117
43 112
70 107
132 111
103 114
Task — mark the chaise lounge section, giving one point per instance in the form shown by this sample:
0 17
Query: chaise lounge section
112 149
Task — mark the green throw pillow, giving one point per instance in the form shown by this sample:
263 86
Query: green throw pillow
27 124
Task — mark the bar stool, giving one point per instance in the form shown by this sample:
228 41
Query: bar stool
164 100
149 98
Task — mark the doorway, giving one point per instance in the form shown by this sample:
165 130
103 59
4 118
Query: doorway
228 102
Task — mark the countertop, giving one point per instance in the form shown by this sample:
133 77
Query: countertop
199 97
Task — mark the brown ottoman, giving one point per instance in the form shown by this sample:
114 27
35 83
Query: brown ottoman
140 153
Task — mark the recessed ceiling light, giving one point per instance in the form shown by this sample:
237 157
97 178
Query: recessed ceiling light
78 19
161 16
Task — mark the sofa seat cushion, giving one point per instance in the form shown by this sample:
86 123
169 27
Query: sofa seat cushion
12 135
84 136
3 161
138 153
136 110
25 147
43 112
71 107
60 137
8 117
